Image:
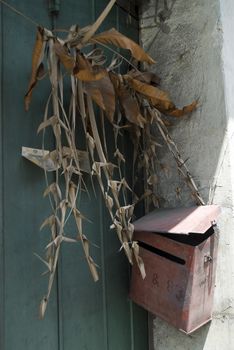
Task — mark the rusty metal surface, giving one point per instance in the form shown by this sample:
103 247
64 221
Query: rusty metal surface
180 293
179 220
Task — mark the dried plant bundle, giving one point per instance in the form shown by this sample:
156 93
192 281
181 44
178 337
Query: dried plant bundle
130 102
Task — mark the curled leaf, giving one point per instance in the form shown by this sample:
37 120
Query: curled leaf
186 110
112 36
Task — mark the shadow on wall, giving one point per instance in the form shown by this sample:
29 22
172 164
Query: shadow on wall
190 69
188 60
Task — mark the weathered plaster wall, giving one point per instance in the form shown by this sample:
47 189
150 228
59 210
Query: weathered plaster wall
194 49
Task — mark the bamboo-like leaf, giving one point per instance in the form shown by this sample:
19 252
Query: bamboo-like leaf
48 222
128 251
42 307
52 121
119 155
54 189
69 240
139 260
109 201
112 36
97 23
38 54
48 265
118 227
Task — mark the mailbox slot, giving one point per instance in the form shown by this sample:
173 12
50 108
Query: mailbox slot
162 253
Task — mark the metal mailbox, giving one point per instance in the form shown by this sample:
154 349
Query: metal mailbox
179 250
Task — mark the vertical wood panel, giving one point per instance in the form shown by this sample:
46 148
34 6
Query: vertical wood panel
23 183
2 308
81 299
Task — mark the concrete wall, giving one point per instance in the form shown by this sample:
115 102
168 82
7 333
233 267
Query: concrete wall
193 44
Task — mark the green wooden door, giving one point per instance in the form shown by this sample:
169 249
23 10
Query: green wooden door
81 315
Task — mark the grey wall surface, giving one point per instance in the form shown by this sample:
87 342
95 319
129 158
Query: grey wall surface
192 43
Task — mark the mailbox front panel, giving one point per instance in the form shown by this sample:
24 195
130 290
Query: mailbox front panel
179 280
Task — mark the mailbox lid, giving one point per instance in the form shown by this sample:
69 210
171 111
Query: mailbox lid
197 219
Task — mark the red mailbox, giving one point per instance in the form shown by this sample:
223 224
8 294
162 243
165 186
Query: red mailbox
179 250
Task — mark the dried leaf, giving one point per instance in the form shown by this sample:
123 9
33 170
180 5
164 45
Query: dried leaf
152 180
42 307
54 189
157 97
50 221
93 269
97 23
109 201
48 265
186 110
103 93
49 122
145 77
128 103
139 260
95 74
38 54
112 36
119 155
86 72
67 60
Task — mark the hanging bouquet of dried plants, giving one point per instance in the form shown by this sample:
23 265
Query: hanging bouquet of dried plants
97 90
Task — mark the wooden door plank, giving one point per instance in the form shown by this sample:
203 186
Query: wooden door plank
23 184
81 300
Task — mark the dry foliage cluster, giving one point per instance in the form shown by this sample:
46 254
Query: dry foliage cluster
97 89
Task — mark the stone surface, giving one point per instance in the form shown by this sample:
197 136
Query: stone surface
192 43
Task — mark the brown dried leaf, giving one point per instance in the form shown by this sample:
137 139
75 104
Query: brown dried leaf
157 97
145 77
67 60
38 54
86 72
103 93
95 74
128 103
181 112
112 36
